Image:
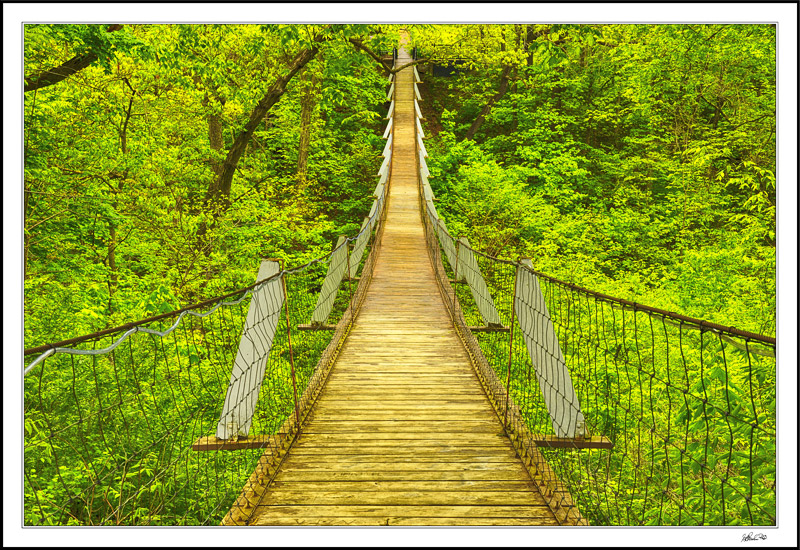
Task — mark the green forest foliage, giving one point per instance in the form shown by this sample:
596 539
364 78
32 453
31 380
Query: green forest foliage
120 160
638 160
127 215
635 160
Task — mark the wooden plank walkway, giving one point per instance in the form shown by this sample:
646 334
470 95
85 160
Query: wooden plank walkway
402 433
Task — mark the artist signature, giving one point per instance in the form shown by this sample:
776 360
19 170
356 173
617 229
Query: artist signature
750 536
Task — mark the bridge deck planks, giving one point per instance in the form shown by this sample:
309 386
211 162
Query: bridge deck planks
402 433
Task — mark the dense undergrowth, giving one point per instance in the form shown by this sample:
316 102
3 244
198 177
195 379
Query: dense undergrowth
635 160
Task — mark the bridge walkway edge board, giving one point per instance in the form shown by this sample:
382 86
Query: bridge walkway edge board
397 437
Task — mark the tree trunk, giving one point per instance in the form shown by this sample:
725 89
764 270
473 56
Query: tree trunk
307 105
218 194
515 73
528 41
113 280
215 141
501 91
223 182
26 236
65 70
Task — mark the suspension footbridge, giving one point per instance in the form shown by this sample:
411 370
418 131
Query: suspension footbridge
402 433
404 379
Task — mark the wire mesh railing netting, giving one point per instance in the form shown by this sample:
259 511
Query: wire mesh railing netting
108 436
125 426
687 408
115 424
626 414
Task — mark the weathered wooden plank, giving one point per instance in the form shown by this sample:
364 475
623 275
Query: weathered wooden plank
383 416
407 439
393 338
387 372
432 450
398 333
423 356
420 378
392 379
400 426
489 329
283 521
213 443
418 401
386 379
387 416
398 498
374 455
389 366
401 470
431 391
368 389
458 409
454 412
389 386
369 392
388 426
323 474
316 327
372 372
385 486
466 511
368 339
391 383
405 424
375 521
472 522
413 378
420 350
592 442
